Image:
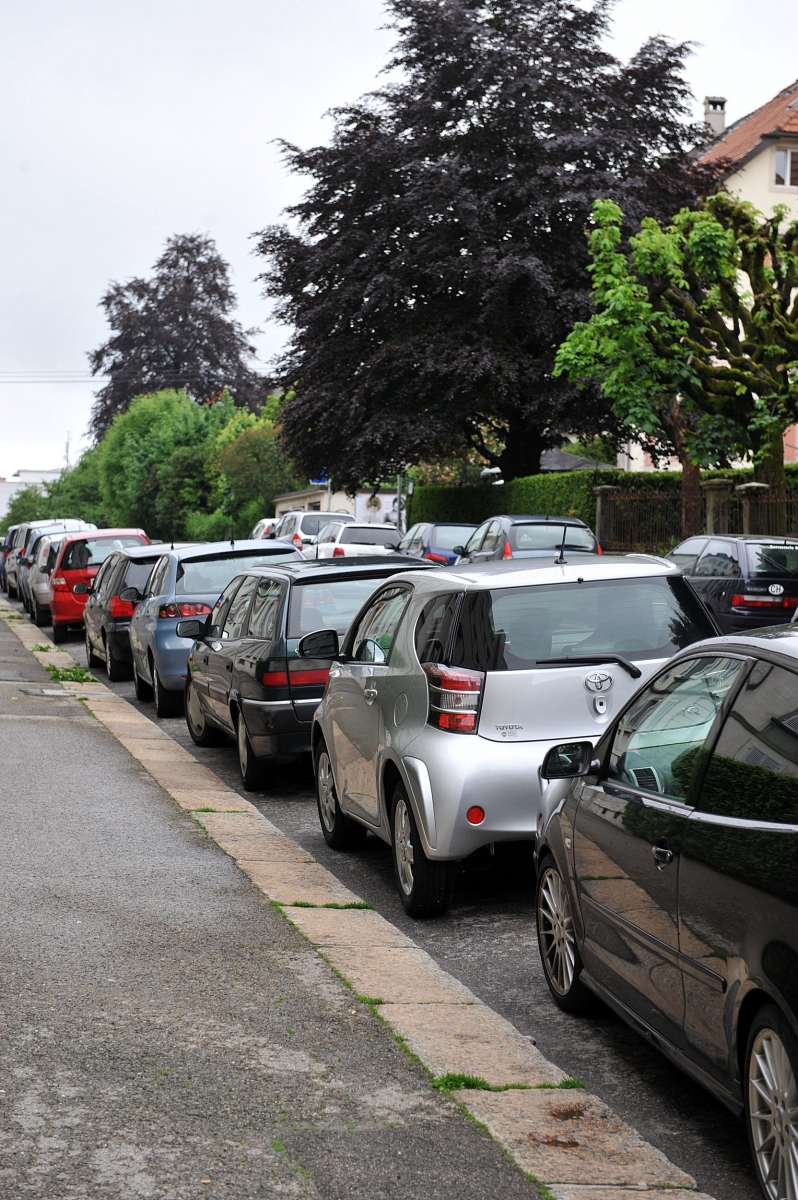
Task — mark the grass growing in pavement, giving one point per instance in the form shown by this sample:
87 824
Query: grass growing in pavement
69 674
456 1082
42 649
331 904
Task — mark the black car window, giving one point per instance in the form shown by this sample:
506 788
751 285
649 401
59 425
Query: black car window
328 604
210 575
719 559
313 522
475 541
378 625
685 555
222 605
265 610
417 541
548 535
329 533
156 584
373 535
136 574
753 772
658 739
236 620
492 537
434 628
408 538
90 552
104 574
446 537
772 559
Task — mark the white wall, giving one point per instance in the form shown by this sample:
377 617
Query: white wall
754 182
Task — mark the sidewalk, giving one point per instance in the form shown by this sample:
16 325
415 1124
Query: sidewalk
164 1031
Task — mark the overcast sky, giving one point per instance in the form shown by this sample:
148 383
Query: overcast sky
124 122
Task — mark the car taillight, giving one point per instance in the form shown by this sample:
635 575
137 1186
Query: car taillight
60 583
297 540
304 671
120 608
275 673
339 552
441 558
763 601
167 611
507 552
170 611
454 696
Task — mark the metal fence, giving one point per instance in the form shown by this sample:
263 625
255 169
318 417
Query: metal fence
653 523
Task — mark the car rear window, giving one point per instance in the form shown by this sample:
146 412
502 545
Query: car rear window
510 629
313 522
548 536
774 559
446 537
328 604
138 572
378 535
91 552
211 575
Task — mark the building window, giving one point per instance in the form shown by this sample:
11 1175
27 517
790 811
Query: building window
786 173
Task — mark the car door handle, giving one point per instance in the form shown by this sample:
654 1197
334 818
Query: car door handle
370 694
663 856
228 666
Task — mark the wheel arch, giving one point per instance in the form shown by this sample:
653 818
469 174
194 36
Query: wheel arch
752 1003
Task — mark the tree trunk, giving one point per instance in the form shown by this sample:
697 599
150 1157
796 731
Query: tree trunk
691 498
522 451
771 471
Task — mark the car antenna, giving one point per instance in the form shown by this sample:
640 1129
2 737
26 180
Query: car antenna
561 556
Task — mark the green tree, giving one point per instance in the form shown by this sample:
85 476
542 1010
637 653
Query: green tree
28 504
77 492
695 334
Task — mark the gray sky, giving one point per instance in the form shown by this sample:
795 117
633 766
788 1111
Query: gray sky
124 122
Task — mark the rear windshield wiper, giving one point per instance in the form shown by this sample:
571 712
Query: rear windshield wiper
570 660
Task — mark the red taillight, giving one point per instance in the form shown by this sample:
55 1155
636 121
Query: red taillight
475 815
507 552
339 552
441 558
763 601
302 672
60 584
275 673
297 540
454 696
120 608
167 611
170 611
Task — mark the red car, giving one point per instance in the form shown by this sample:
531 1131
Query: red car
79 559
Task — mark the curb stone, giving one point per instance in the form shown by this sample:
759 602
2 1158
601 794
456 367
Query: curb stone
568 1141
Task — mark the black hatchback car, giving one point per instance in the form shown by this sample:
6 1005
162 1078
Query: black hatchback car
746 581
528 537
668 878
245 679
107 616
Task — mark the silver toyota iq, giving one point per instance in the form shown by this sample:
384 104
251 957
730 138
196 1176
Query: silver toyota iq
450 687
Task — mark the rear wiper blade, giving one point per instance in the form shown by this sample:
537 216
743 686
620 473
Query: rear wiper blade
573 659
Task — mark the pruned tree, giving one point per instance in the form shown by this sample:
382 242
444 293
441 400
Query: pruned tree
174 331
438 260
696 320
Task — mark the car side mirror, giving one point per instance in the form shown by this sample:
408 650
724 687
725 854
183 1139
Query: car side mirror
80 589
309 539
569 760
461 550
131 594
189 629
322 643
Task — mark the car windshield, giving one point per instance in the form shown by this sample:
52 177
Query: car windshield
328 604
138 572
548 536
446 537
211 575
374 535
510 629
774 559
93 551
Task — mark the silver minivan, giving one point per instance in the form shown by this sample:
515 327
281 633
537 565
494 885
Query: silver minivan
451 686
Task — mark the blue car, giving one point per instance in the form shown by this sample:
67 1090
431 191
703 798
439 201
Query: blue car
185 582
436 541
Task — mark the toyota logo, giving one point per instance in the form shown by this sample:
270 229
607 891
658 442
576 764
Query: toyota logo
776 589
599 681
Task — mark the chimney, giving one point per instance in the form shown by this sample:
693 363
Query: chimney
715 114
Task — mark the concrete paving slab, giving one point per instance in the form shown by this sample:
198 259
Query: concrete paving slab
571 1137
346 927
292 882
399 975
470 1039
569 1191
221 800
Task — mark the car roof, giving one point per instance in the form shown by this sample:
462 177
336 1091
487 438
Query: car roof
371 525
521 518
781 639
154 550
84 535
215 549
523 572
335 568
772 539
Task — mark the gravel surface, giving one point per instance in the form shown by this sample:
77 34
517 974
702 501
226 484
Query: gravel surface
487 940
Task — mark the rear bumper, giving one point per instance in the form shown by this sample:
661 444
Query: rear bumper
66 608
733 622
275 730
170 654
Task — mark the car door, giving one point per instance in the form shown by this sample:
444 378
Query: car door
354 702
686 554
474 543
492 541
628 834
93 611
715 577
738 883
327 542
232 623
145 617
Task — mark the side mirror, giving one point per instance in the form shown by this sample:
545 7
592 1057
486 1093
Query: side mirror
309 539
569 761
80 589
461 550
391 546
130 593
322 643
188 629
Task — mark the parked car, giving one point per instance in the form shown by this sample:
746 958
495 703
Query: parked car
79 558
528 537
746 581
184 582
450 687
5 550
668 878
263 529
303 528
244 677
107 615
22 540
28 558
436 541
44 556
349 540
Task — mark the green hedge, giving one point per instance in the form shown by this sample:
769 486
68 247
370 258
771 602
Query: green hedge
555 493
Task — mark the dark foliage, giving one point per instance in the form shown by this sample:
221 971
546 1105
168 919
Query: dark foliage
174 331
441 256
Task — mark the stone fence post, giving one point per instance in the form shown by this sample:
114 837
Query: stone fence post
605 513
752 494
717 493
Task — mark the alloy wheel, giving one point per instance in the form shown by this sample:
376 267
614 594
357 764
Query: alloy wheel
403 845
556 928
326 792
773 1114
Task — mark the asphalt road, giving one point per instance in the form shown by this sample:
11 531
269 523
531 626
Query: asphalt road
164 1032
487 940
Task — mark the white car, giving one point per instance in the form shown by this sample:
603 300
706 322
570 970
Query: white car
348 540
303 528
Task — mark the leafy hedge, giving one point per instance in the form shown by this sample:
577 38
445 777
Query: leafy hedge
556 493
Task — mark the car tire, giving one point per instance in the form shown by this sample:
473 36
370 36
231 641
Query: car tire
142 689
340 832
251 768
12 592
38 614
60 633
425 885
92 660
770 1084
167 703
201 731
116 670
559 954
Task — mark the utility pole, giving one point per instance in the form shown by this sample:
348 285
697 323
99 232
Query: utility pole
66 456
399 502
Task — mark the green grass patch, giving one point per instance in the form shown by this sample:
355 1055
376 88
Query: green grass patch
564 1085
351 904
69 674
301 904
370 1000
278 1146
42 649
